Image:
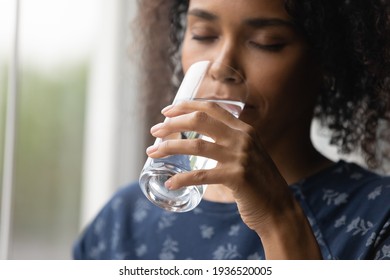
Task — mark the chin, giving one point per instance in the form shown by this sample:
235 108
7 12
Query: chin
250 115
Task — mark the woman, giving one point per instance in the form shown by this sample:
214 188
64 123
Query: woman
272 195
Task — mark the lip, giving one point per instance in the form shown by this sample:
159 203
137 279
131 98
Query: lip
250 106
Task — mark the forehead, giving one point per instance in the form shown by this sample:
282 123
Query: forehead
238 10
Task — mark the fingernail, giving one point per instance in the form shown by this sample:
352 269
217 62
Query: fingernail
156 127
166 109
168 184
152 149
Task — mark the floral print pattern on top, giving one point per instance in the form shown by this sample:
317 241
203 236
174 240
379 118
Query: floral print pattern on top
347 206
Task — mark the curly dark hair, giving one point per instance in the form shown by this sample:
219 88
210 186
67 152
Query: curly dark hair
351 39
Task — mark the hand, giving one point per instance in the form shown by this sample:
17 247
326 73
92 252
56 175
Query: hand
265 203
243 164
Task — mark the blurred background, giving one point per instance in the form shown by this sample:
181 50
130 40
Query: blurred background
77 134
71 130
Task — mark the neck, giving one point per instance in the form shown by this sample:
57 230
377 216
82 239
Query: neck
295 156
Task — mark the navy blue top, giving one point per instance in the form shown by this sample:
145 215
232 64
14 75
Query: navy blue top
347 206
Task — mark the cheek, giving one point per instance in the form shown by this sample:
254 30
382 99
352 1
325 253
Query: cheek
286 79
284 92
186 59
189 53
192 52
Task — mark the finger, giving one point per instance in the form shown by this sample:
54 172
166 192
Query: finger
198 147
197 121
211 108
196 178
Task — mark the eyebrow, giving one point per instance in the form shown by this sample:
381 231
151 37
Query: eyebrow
264 22
202 14
253 22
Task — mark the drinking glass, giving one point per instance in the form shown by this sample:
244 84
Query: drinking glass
204 81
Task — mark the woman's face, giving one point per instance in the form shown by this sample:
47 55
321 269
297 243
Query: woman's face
259 39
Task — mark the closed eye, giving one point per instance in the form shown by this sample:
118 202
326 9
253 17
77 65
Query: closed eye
203 38
268 47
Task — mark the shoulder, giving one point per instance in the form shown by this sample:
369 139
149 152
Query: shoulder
130 192
347 189
357 172
359 181
364 187
123 205
348 208
100 238
348 177
122 202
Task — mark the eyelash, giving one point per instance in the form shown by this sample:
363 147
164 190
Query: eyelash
203 38
270 48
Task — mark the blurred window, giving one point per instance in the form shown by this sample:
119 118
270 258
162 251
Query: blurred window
63 45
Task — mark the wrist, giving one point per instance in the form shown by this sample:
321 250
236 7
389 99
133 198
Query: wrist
289 235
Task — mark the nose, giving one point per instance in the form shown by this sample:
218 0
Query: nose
226 63
225 73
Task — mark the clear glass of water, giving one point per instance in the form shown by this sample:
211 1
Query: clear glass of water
204 81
